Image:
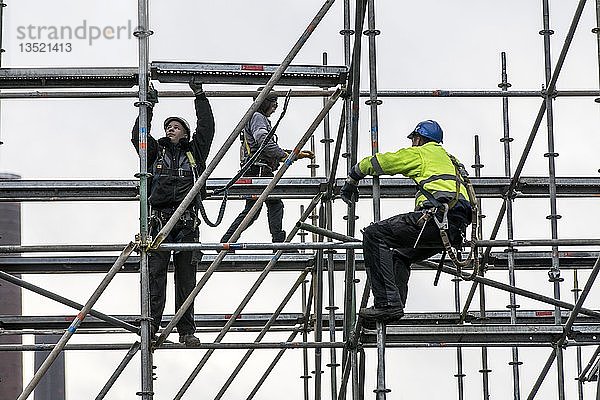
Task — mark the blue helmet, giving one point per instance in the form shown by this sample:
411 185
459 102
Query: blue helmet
429 129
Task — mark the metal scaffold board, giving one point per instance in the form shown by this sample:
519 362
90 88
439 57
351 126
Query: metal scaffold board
252 74
484 334
170 72
103 77
239 262
430 319
71 190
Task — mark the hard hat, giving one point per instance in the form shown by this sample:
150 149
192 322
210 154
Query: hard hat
267 102
428 129
271 96
182 121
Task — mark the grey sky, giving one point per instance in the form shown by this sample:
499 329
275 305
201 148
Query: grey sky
429 44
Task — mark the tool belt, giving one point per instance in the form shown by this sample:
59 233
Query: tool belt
180 172
164 214
259 169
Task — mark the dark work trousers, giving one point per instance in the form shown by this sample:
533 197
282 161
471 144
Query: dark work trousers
184 231
274 213
388 250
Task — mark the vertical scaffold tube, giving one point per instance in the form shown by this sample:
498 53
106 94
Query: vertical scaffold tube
327 202
554 273
305 375
576 292
318 284
348 276
484 353
460 375
352 141
508 201
143 33
373 103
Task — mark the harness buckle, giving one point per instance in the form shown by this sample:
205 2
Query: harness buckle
443 223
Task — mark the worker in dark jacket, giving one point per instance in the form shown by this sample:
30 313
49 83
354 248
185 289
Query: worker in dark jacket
253 137
175 162
392 245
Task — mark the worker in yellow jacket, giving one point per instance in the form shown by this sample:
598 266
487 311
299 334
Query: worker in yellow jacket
392 245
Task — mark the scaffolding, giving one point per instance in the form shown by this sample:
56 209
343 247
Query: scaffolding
567 327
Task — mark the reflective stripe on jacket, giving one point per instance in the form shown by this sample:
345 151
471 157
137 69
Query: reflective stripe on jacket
428 164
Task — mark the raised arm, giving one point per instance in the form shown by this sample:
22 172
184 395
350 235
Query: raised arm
205 123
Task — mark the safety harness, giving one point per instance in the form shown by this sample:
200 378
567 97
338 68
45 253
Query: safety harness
461 177
199 203
250 159
248 163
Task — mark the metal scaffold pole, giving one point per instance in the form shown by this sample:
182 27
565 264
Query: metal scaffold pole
143 33
485 371
508 201
327 202
554 273
349 293
318 299
576 291
352 146
373 103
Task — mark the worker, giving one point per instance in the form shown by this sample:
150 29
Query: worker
252 138
392 245
175 161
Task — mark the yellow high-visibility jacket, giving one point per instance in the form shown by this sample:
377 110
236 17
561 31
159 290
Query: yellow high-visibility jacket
428 164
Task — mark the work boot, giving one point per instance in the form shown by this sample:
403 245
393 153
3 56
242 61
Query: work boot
383 314
189 340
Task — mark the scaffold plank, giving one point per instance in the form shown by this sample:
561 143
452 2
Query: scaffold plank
99 77
170 72
484 334
253 74
92 190
449 320
240 262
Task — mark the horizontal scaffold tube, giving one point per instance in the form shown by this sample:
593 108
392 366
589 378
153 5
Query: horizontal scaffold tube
357 244
270 346
296 93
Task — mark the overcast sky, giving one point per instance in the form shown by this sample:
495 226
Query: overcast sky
426 45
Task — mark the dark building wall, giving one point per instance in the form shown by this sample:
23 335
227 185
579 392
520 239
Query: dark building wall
11 363
52 385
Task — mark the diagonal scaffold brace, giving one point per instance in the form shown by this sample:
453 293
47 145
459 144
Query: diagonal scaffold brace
77 321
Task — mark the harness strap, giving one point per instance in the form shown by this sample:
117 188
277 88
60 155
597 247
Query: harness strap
460 177
377 166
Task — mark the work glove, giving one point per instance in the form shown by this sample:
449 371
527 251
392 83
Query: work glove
306 154
349 192
152 95
196 86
